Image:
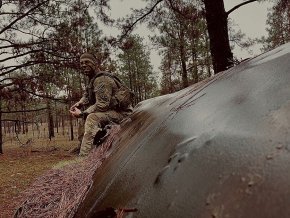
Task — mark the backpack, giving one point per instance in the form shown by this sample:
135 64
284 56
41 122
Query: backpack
123 96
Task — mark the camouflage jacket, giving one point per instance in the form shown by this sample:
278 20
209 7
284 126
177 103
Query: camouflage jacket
99 95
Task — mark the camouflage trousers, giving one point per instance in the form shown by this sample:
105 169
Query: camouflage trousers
93 124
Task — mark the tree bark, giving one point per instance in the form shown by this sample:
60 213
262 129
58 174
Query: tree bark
50 122
71 128
23 118
1 136
62 124
217 24
194 63
183 58
56 117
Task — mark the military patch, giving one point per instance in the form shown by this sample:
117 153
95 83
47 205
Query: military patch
102 92
100 88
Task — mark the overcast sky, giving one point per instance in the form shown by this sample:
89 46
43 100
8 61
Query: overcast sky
251 19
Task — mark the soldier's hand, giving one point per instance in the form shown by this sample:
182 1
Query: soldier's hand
75 112
74 106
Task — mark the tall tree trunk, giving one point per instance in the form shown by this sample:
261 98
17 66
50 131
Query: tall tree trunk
50 122
4 128
217 24
15 127
194 63
56 117
70 116
130 74
18 125
23 119
32 126
208 60
145 91
62 124
71 128
183 58
1 136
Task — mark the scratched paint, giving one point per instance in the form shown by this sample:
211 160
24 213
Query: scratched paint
216 149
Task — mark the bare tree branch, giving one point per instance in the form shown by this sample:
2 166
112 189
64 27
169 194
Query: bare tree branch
27 64
16 67
10 13
27 33
6 85
6 40
24 45
177 10
20 55
24 111
38 21
63 100
4 52
239 5
31 63
129 28
36 51
22 16
23 79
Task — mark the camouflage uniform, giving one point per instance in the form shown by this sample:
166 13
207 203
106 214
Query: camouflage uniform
99 95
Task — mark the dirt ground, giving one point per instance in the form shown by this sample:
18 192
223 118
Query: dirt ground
21 165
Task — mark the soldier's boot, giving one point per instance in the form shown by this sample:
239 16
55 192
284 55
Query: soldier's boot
103 134
100 137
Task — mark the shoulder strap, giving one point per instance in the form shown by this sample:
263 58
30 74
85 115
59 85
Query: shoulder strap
104 73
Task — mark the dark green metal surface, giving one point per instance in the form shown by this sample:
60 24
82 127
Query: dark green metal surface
217 150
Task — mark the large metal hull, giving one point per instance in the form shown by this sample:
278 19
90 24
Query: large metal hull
219 149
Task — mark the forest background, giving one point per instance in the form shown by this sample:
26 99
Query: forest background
40 45
41 41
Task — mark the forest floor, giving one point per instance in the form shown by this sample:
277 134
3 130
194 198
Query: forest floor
21 165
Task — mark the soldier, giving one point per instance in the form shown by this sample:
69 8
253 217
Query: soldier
99 98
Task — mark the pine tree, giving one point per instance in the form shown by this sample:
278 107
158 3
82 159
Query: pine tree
136 70
278 22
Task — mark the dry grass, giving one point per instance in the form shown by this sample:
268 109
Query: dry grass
21 165
59 191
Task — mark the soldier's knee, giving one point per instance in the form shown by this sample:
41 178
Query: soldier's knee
92 121
94 117
89 134
91 117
